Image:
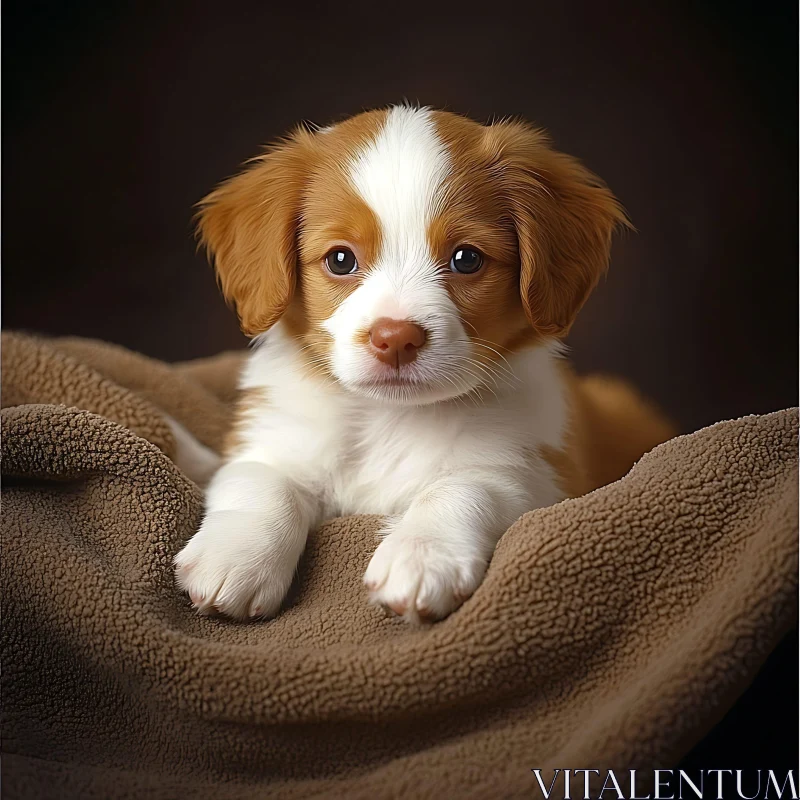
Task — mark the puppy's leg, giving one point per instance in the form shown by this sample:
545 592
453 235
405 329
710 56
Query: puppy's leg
435 555
242 560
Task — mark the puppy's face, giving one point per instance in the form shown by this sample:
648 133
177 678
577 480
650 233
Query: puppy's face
411 251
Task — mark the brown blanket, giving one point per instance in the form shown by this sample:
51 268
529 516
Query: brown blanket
611 631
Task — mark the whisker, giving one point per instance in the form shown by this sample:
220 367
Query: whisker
496 352
508 379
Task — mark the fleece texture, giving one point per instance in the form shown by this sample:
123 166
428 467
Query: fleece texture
612 631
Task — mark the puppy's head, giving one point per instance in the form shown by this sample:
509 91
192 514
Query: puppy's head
408 250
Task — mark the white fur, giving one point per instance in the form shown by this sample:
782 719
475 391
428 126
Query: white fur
400 176
452 458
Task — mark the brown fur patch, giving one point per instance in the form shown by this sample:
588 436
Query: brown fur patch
249 400
542 221
475 213
564 217
269 228
333 216
611 426
249 227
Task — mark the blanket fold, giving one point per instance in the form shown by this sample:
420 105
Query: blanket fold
611 631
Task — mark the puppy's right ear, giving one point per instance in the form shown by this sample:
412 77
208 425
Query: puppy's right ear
249 228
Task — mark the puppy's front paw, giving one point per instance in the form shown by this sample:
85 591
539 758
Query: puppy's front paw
422 579
238 565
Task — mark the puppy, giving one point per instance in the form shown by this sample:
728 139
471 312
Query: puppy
407 277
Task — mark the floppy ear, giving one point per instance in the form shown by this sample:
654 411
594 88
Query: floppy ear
249 228
564 217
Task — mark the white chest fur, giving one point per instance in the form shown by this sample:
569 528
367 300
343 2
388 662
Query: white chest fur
360 456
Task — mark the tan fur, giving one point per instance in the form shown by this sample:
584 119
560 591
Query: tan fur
476 213
269 265
249 226
247 401
542 221
564 217
611 427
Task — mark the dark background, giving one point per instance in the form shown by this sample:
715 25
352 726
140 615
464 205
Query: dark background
118 117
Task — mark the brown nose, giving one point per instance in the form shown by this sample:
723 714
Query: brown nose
396 341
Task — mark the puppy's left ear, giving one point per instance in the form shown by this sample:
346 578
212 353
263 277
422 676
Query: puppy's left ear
564 217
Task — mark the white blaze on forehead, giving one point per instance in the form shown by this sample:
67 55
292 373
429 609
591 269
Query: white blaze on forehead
400 176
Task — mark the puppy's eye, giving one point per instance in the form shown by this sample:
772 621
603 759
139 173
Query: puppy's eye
341 261
466 260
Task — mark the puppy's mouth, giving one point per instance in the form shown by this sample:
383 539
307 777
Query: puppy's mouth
408 385
398 378
398 385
